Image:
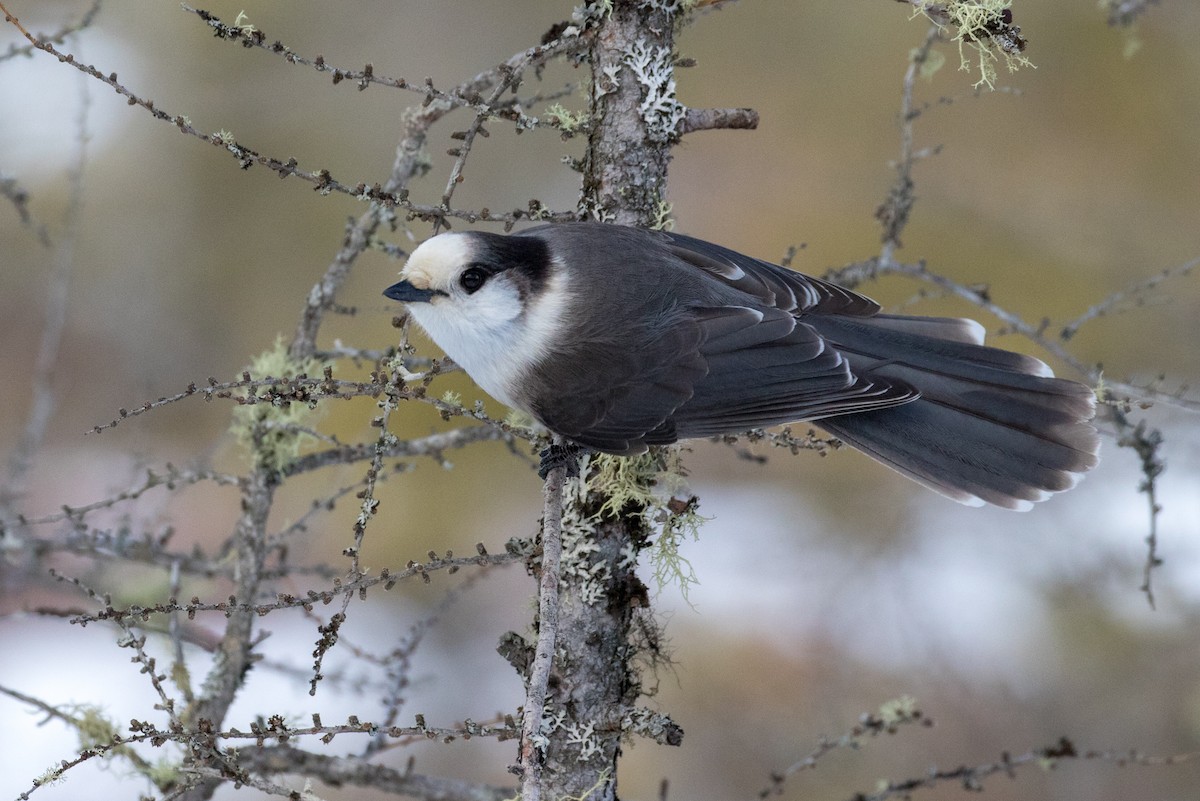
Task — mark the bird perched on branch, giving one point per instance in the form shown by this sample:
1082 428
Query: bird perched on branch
618 338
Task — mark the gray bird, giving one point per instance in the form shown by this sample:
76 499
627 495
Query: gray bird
619 338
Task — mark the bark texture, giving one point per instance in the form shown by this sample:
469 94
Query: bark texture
594 684
635 114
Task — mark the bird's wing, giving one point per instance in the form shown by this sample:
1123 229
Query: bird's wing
714 367
715 370
769 284
765 367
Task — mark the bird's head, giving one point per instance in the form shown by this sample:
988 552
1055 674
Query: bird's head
484 280
493 303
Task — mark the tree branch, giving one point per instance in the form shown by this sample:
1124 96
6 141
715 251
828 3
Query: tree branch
341 771
530 758
708 119
635 118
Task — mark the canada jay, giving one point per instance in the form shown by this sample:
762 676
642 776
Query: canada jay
618 338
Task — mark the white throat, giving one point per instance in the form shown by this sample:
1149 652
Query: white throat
494 338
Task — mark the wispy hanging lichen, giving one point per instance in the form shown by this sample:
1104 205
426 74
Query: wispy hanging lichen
654 484
984 32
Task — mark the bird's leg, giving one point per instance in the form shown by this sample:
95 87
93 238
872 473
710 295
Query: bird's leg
564 454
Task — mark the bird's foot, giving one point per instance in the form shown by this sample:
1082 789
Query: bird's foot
561 455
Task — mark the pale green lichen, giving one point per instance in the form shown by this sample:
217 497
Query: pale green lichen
660 110
565 120
933 61
591 792
603 8
625 481
274 431
899 710
242 23
164 773
1133 43
1124 15
584 736
663 221
591 576
50 777
93 728
96 731
519 420
650 483
975 25
181 677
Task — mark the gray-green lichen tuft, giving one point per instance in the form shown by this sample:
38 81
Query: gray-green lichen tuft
652 483
272 429
984 32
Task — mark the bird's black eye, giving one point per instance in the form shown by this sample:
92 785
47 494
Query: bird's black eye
472 279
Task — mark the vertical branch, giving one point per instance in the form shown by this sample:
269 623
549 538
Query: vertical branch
635 115
321 297
234 658
593 684
43 400
893 212
543 655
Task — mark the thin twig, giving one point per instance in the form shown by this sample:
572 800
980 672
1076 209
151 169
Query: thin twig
44 400
19 197
179 672
434 446
971 778
1145 442
1132 292
398 663
510 80
530 759
59 36
387 578
171 478
887 720
466 95
893 213
329 632
340 771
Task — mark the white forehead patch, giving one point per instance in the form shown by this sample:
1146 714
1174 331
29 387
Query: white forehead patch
437 261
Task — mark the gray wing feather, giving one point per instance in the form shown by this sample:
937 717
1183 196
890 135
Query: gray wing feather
765 367
770 284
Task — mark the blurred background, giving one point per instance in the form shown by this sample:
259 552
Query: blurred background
827 586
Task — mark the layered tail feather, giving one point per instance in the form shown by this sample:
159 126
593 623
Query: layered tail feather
990 426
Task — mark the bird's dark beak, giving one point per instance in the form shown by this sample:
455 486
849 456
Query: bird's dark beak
407 293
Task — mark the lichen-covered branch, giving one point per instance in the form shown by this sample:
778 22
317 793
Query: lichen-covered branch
339 771
590 703
635 113
532 741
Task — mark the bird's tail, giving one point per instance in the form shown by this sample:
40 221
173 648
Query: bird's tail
990 426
